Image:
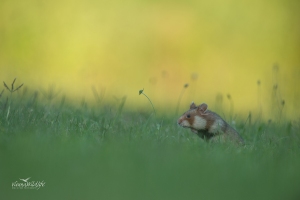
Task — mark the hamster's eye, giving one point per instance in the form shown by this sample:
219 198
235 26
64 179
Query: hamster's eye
188 116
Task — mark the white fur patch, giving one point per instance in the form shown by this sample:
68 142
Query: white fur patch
217 125
199 123
185 123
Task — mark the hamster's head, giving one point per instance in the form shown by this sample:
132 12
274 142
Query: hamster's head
194 118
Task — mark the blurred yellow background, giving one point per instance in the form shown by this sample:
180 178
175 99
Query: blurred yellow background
219 47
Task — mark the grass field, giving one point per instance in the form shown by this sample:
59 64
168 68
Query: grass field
107 152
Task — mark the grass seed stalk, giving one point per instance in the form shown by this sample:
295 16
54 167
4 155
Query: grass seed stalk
142 92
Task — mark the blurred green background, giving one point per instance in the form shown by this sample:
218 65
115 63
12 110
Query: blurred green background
219 47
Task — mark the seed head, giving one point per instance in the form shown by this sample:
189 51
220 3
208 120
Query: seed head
258 82
194 76
141 91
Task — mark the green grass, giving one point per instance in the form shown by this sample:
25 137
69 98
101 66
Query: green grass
111 153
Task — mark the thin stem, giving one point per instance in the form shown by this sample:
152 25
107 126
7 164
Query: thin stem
150 102
8 110
11 91
259 100
179 100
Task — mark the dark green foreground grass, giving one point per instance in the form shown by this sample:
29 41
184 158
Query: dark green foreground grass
106 154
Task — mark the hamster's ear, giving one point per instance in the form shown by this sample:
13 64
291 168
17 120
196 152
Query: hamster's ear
193 105
202 108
